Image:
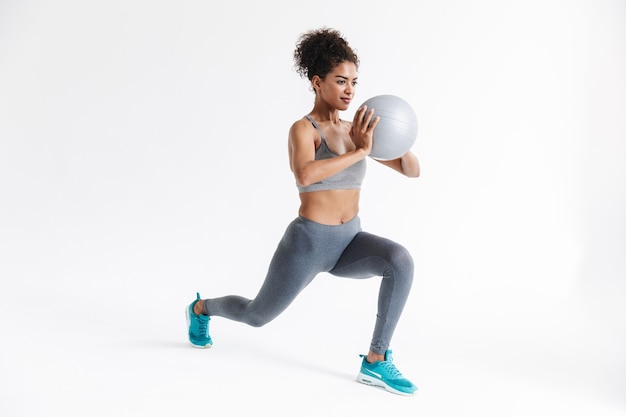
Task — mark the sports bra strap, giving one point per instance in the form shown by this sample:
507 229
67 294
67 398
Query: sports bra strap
316 126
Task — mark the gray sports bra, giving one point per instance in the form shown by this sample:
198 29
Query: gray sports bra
349 178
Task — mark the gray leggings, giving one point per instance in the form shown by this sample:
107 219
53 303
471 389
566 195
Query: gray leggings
308 248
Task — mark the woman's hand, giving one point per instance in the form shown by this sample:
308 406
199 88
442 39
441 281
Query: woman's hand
362 129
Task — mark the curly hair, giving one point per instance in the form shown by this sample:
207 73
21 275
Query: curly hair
319 51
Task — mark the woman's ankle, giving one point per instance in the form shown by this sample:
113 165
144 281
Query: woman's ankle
198 307
374 357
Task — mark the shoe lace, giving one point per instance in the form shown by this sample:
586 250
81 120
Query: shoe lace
203 325
391 370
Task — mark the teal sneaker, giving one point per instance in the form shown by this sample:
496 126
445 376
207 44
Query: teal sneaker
198 327
384 374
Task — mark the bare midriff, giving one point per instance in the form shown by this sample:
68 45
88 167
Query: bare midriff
330 207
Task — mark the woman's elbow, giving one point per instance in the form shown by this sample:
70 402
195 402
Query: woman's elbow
413 173
410 165
302 178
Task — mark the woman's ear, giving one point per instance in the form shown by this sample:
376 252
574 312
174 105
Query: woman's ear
316 83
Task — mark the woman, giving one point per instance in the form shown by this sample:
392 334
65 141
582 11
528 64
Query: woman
327 156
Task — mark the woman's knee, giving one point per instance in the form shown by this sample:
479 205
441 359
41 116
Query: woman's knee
401 262
256 322
260 318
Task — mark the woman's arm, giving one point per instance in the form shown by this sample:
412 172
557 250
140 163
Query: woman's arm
302 149
305 168
407 164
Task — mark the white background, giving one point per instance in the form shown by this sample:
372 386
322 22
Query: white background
143 158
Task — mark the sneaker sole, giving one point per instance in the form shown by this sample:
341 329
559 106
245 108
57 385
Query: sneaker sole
368 380
207 346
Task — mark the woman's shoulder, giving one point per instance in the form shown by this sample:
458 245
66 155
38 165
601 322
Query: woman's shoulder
301 122
302 127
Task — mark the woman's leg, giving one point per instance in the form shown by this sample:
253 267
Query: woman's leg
370 255
306 249
289 272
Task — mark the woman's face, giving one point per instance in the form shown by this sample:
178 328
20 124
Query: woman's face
338 87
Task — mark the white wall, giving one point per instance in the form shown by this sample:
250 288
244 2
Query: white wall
143 153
